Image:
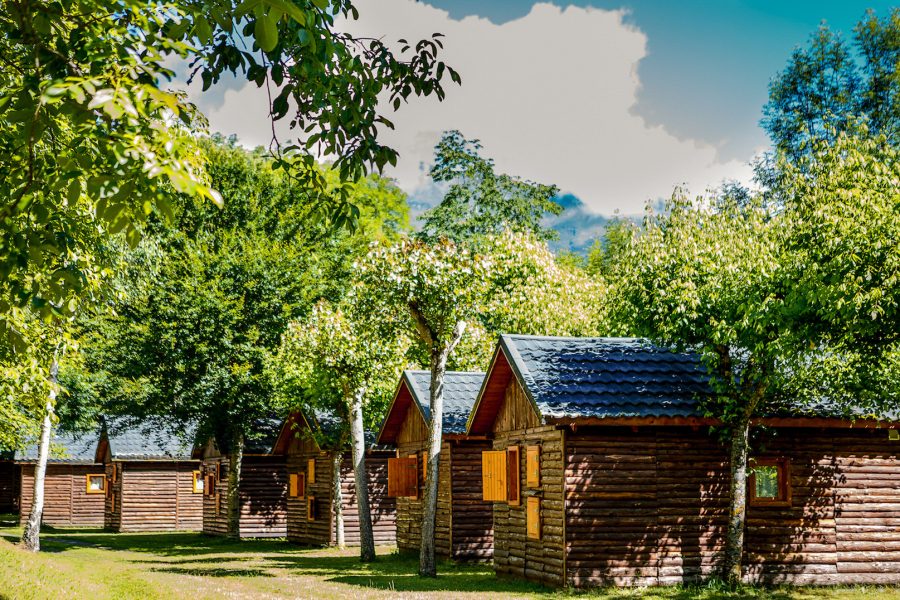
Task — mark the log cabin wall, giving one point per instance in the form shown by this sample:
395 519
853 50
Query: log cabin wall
411 440
300 529
649 507
515 553
471 517
66 501
382 508
113 503
262 492
9 487
159 496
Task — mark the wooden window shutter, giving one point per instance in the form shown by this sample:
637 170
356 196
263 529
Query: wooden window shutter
513 477
533 466
403 478
296 485
311 512
533 517
311 470
424 467
493 475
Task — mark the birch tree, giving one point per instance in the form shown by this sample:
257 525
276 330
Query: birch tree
338 346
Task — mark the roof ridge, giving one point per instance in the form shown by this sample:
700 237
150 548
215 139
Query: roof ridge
564 338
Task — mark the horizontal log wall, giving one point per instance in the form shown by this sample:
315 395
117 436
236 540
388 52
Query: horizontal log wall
263 497
410 510
649 507
300 530
515 554
66 502
9 487
382 508
471 518
159 496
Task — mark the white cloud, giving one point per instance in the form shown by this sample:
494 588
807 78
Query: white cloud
550 96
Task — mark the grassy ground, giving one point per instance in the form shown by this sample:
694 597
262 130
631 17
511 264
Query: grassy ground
87 563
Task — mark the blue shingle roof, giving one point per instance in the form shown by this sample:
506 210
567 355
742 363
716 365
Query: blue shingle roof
460 390
71 448
606 377
149 441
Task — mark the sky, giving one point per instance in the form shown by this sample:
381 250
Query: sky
617 103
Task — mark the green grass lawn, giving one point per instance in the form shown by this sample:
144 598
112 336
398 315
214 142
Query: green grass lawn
88 563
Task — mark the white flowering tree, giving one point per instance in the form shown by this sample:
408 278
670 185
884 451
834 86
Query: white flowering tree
455 301
334 347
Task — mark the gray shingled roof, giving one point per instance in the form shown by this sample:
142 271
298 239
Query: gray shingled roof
263 436
67 448
606 377
460 390
149 441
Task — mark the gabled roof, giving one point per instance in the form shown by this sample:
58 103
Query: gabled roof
315 421
460 391
598 378
146 441
65 448
259 440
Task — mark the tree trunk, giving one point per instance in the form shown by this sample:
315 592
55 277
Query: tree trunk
31 536
737 514
338 499
235 462
439 357
360 478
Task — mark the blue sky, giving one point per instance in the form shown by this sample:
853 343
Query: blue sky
708 62
617 103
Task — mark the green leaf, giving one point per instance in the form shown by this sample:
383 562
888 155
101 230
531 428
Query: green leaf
266 32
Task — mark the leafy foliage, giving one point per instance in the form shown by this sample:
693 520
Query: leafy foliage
830 87
481 202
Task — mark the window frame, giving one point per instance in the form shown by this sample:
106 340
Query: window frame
296 485
513 476
494 487
197 476
311 508
87 483
311 470
783 473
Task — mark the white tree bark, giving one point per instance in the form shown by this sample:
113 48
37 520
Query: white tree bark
31 537
358 444
338 502
235 464
440 353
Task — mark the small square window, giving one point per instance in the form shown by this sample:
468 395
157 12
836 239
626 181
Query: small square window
197 483
95 484
770 482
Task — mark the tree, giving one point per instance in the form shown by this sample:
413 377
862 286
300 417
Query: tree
209 297
830 87
341 349
604 255
481 202
87 122
704 276
843 261
438 286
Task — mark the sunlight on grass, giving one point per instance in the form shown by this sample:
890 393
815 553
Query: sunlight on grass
89 563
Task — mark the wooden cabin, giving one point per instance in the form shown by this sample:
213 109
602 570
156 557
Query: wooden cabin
262 490
463 521
74 484
310 467
604 471
153 484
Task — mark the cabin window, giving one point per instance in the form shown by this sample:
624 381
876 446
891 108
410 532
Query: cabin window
209 485
533 466
769 482
513 478
494 475
95 484
533 517
296 485
403 477
311 511
424 467
218 471
114 473
197 482
311 470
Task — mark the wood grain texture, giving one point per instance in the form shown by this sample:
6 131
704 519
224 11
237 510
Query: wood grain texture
262 493
66 502
150 496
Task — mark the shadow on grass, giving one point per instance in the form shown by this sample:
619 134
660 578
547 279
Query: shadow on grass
219 572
